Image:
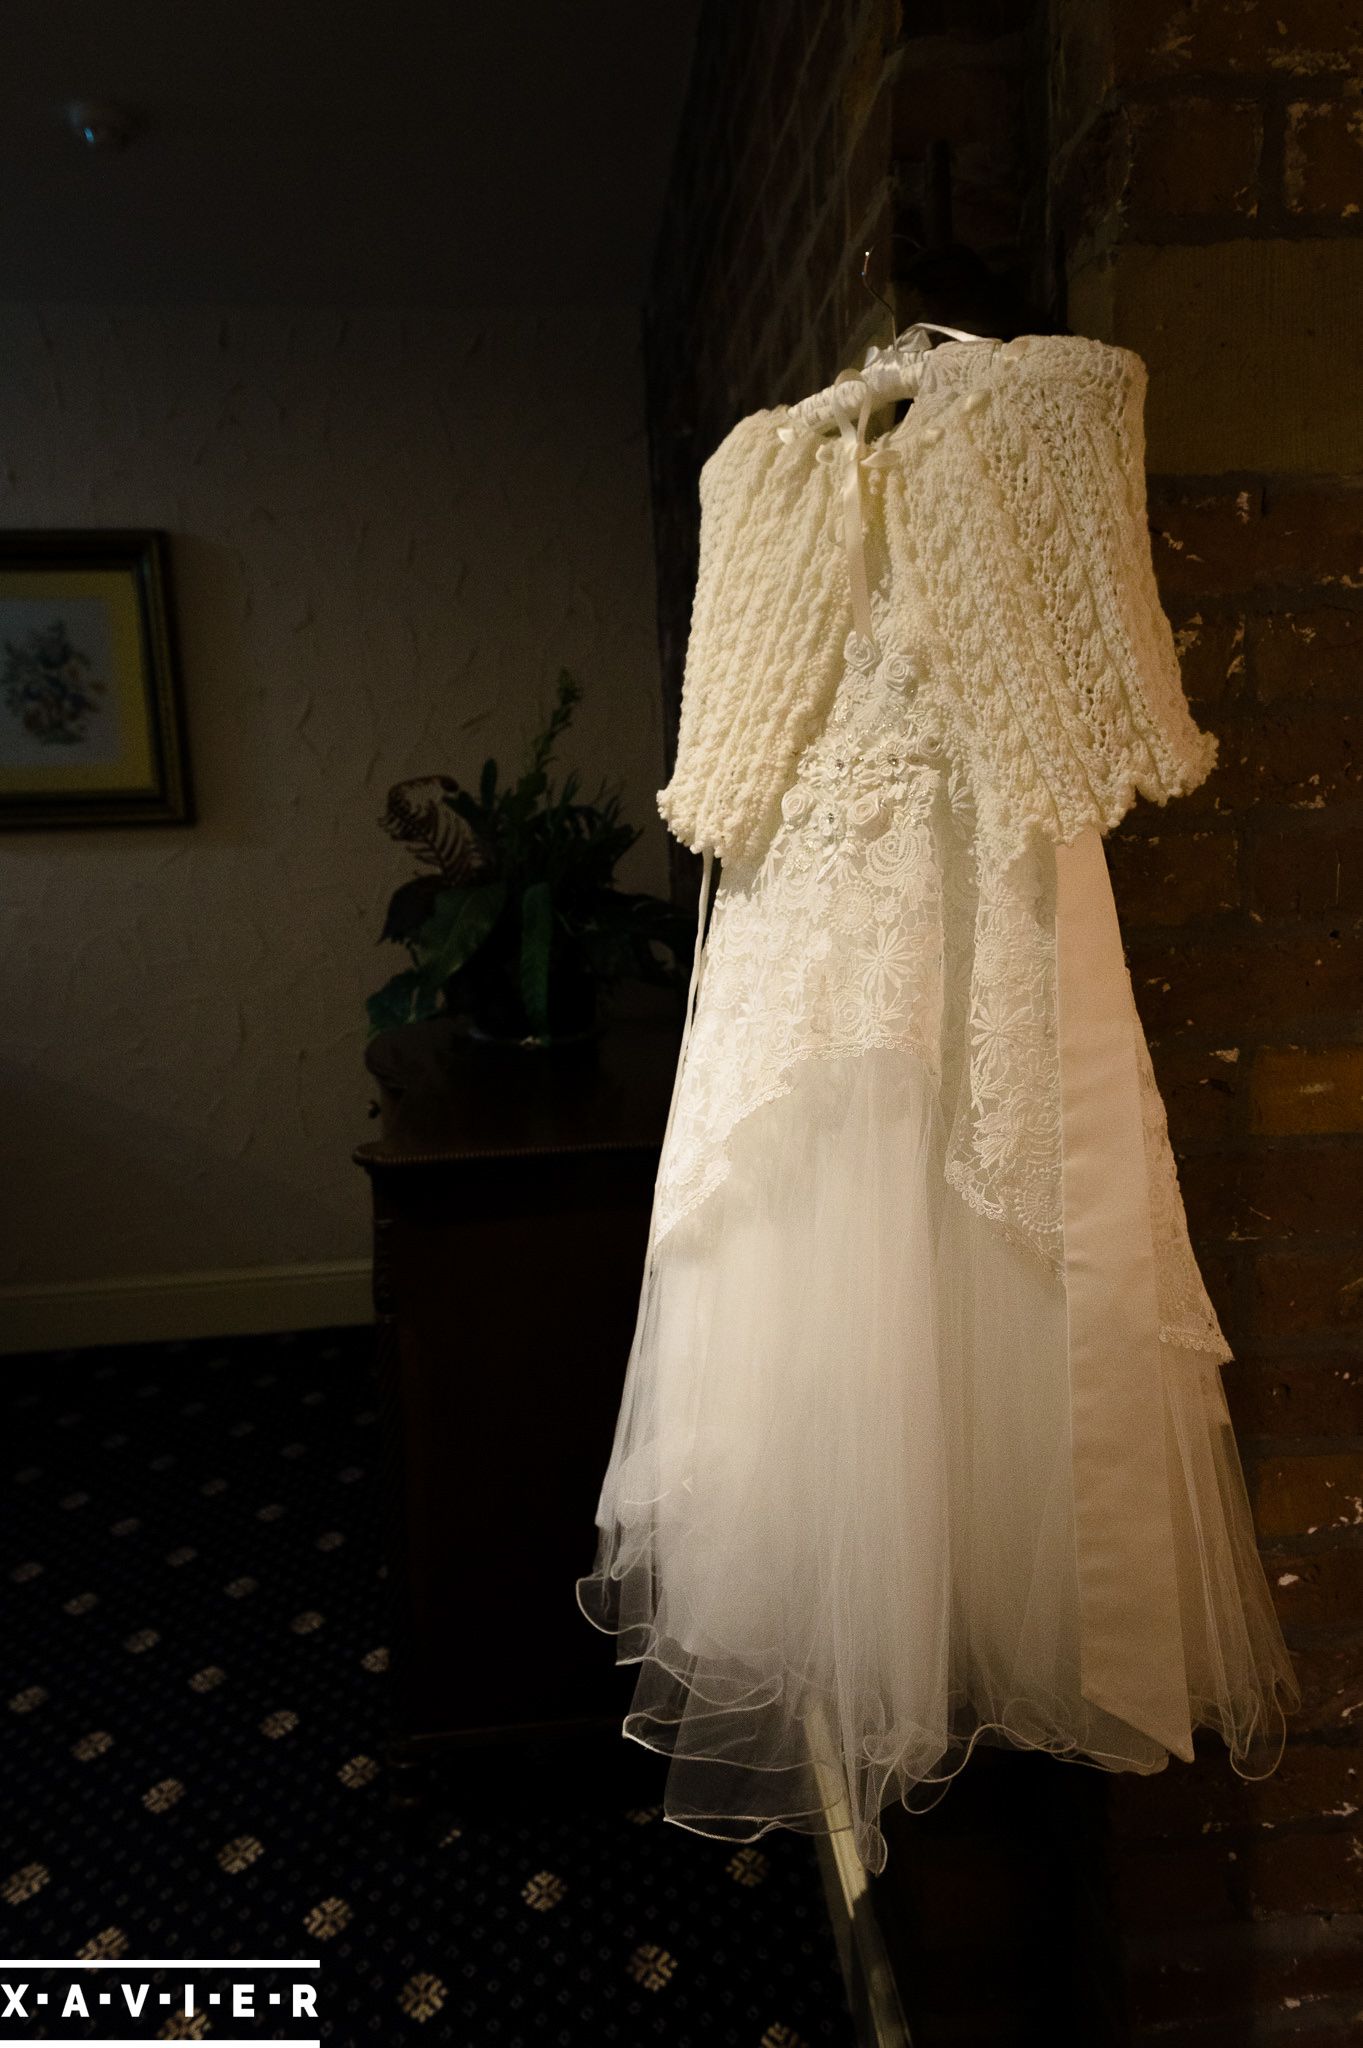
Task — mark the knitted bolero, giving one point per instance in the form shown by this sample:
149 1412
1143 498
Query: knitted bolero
1005 517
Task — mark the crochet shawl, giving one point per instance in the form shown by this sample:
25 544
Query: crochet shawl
1009 509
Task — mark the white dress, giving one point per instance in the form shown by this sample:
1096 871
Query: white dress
861 1511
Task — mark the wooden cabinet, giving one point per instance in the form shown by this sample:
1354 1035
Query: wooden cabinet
511 1194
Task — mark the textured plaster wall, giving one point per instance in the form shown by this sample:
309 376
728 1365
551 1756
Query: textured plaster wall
388 531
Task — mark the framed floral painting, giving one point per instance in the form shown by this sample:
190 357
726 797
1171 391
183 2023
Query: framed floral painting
91 722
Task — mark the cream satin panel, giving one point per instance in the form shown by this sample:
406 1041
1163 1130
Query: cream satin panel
1131 1646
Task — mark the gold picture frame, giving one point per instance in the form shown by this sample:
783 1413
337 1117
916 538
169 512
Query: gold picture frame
92 728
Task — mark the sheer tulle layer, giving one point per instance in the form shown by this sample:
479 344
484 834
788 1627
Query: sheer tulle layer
836 1532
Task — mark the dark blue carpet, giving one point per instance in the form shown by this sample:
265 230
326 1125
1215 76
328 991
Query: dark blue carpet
195 1670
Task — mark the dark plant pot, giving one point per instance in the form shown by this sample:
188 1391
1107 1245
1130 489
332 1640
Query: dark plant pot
499 1019
550 1042
439 1086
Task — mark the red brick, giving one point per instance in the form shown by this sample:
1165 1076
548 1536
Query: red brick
1194 157
1315 651
1319 1588
1273 1192
1211 653
1307 757
1204 1091
1295 1397
1330 1673
1187 1884
1306 1089
1274 38
1277 1965
1323 158
1304 1493
1220 1268
1305 1873
1237 994
1317 2025
1182 1800
1204 543
1214 542
1294 869
1302 1291
1312 1780
1312 535
1239 2023
1171 877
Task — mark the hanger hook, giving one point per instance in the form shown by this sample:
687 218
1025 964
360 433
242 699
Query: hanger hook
877 296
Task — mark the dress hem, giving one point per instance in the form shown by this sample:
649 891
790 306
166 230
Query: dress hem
650 1731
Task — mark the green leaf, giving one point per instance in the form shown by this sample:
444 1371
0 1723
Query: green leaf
409 907
620 936
531 787
471 809
456 928
487 786
399 1001
537 932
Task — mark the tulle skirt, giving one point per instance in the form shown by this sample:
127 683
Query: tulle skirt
837 1528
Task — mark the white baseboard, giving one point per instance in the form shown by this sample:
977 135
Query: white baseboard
166 1307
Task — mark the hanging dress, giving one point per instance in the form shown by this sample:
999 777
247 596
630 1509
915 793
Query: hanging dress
923 1439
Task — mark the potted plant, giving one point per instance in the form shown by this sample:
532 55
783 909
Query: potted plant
516 927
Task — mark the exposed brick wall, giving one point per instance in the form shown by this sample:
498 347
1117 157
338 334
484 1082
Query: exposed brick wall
804 142
782 171
970 75
1182 135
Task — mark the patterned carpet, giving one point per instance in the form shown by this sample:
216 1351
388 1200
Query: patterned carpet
194 1687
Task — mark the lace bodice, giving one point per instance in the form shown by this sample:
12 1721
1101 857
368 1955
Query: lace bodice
833 943
874 920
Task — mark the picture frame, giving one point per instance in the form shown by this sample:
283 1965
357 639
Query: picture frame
92 727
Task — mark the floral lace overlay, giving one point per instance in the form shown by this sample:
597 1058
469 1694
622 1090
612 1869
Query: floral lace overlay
833 945
875 919
1187 1317
1003 1152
